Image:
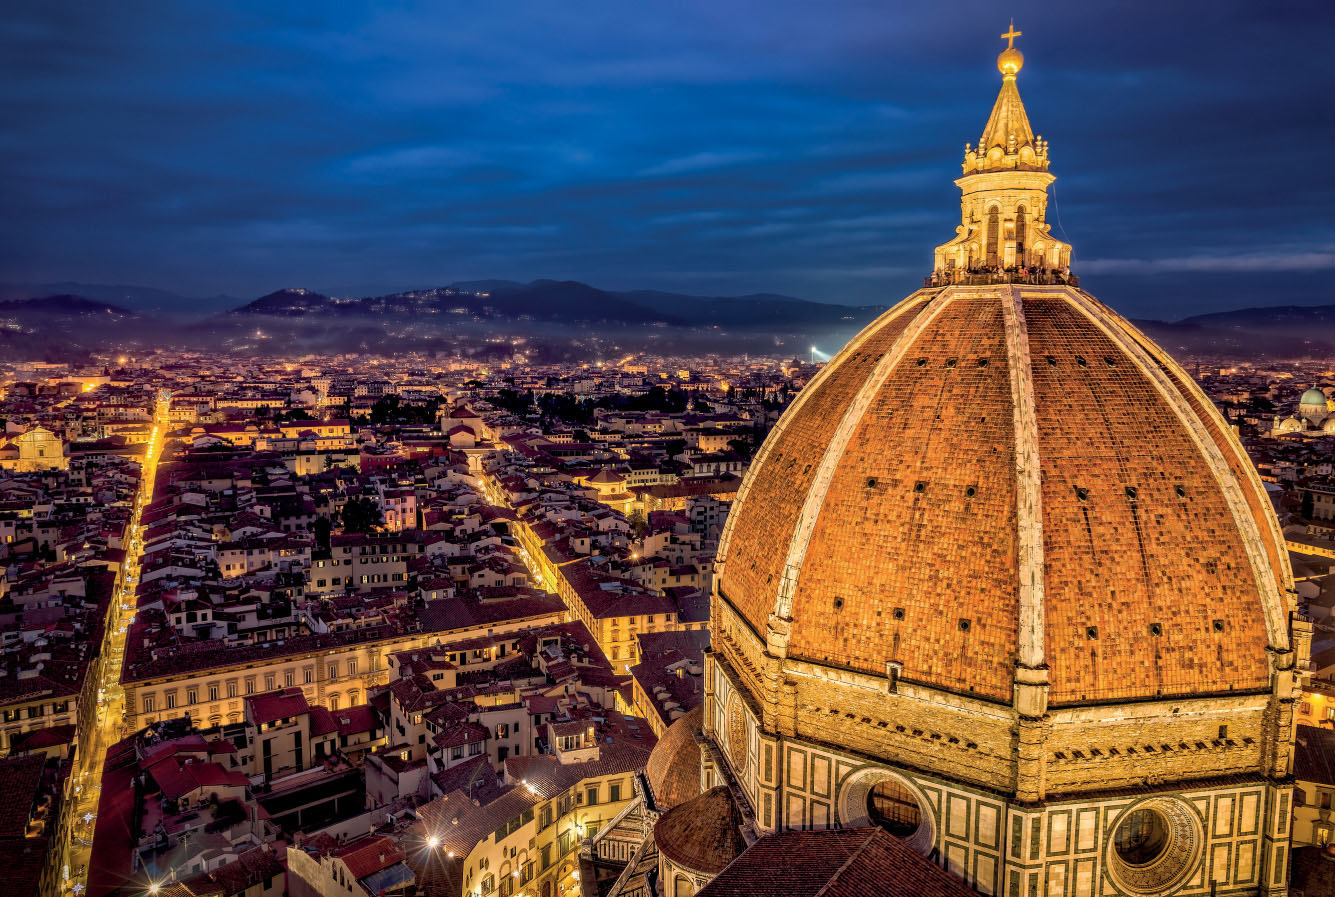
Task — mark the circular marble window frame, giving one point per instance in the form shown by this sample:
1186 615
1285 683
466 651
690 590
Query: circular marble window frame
852 805
1173 866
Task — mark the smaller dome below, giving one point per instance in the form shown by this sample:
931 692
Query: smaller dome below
673 769
703 834
1290 425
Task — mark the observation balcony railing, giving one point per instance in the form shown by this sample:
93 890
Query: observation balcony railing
988 278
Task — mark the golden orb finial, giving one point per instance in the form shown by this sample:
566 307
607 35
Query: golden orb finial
1011 60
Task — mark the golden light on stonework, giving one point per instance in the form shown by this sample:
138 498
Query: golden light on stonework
1011 60
737 734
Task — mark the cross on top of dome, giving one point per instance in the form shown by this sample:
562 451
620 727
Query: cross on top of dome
1011 60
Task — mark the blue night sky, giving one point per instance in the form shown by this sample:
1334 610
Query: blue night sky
704 146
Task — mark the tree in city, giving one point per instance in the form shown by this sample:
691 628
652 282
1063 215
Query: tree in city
1309 505
392 409
747 443
514 401
362 515
322 528
638 525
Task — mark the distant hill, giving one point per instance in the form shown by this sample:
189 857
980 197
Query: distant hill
1279 317
144 300
64 305
549 319
288 303
542 300
1282 331
62 327
568 301
748 310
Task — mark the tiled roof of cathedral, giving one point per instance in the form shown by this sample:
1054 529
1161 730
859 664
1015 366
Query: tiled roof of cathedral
1001 476
865 862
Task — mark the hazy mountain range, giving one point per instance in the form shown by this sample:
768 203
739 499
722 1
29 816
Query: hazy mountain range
541 320
564 301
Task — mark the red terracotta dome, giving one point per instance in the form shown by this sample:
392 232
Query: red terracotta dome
673 769
703 834
1006 476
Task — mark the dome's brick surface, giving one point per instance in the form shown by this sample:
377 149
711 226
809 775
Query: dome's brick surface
779 485
937 555
914 552
1119 563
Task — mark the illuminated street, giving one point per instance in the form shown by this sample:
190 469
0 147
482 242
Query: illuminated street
100 723
495 495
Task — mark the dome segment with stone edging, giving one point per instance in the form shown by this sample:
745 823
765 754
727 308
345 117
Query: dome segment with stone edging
673 769
703 834
1313 397
988 478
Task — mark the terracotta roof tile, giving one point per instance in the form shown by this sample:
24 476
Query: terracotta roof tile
674 763
703 833
865 862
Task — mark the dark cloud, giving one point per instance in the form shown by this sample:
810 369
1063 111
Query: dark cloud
706 145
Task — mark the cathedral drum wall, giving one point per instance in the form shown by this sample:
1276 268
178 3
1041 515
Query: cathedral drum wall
916 727
1227 832
1097 748
1225 839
